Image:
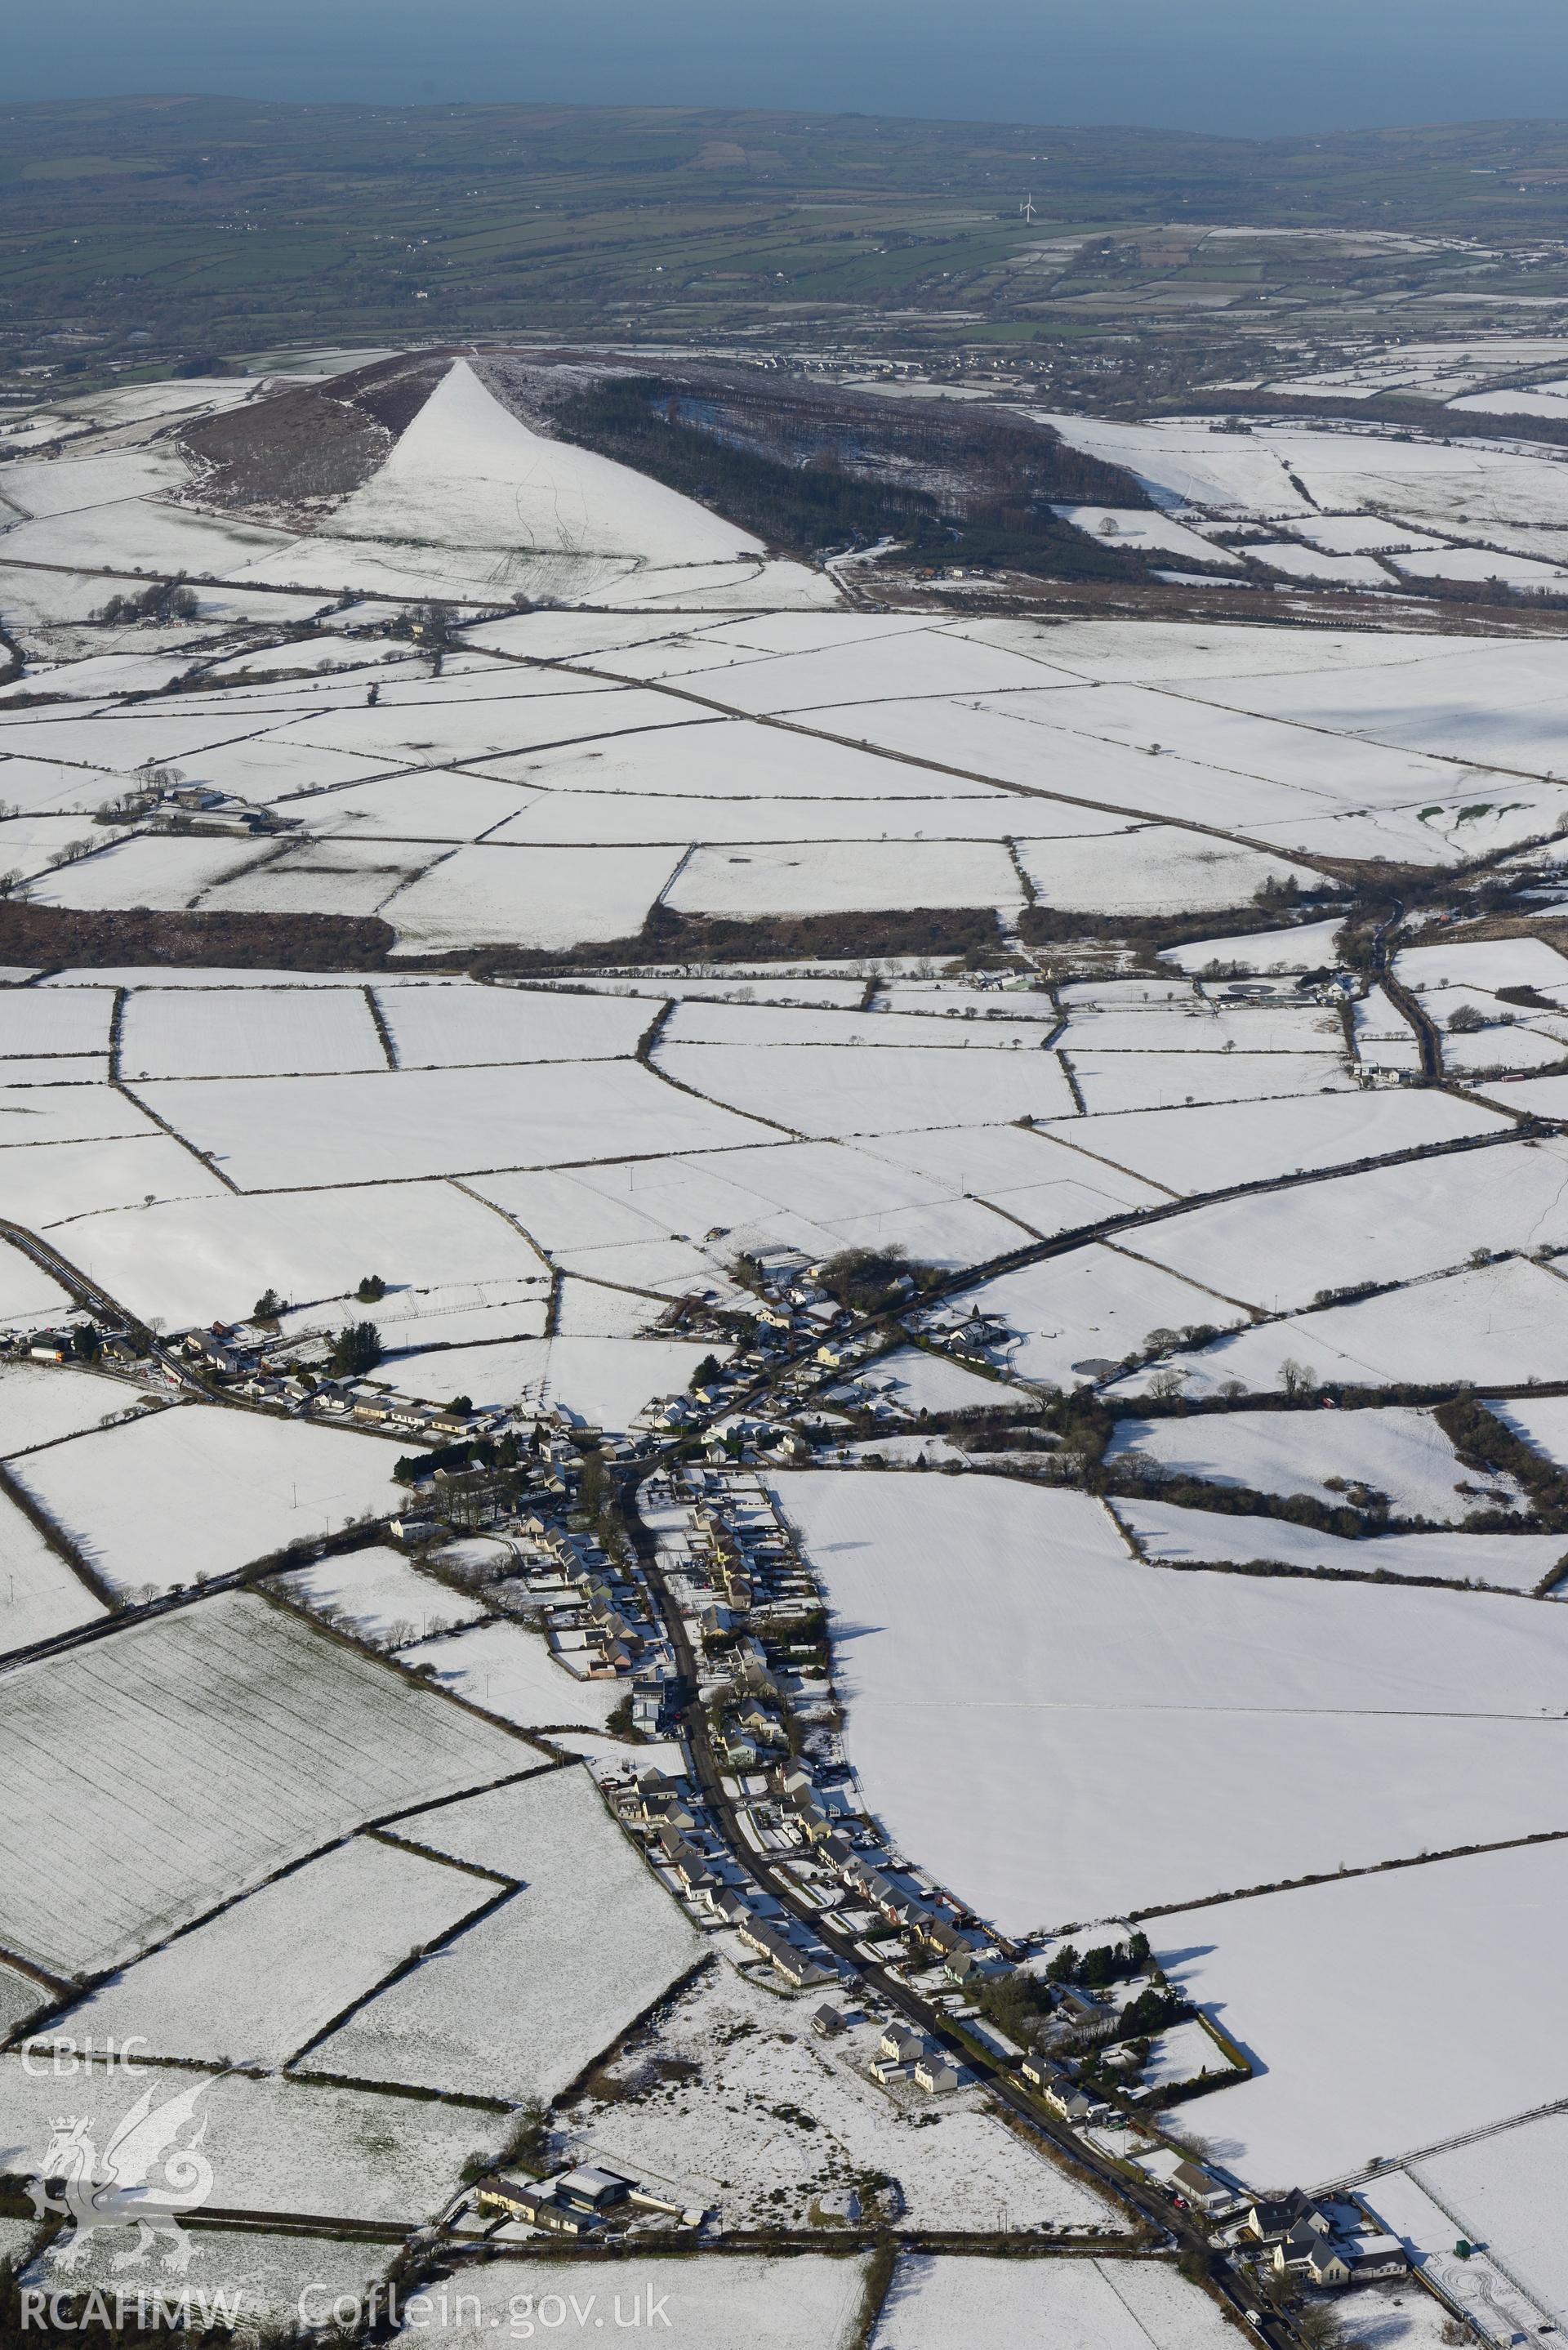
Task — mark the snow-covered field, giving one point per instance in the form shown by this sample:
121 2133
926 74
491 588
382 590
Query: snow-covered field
1157 869
274 1132
710 2302
380 1596
990 1633
188 1758
40 1596
1389 1224
551 898
1399 1452
197 1259
1542 1421
606 1377
1505 2191
520 2002
40 1405
442 1027
950 2301
736 2119
51 1184
1078 1316
508 1671
251 1032
1500 1325
802 878
1491 2300
259 2274
834 1090
1393 1957
258 1982
177 1497
1114 1082
1216 1144
820 1196
1177 1537
277 2144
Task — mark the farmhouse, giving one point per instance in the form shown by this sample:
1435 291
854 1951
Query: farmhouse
1074 2105
535 2203
1271 2218
1200 2187
1317 2261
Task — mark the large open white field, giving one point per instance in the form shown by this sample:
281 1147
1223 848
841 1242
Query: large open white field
252 1033
703 1022
519 2003
1500 1324
49 1184
553 898
509 1671
1202 1027
1401 1453
990 1633
809 2301
163 871
33 1022
1507 2191
815 876
442 1027
277 2144
1393 1957
1157 869
696 758
1216 1144
950 2301
834 1090
253 1985
1177 1537
1111 1081
182 1761
1541 1421
1393 1223
70 1100
181 1496
1077 1315
28 1293
1021 1172
605 1377
39 1404
275 1132
199 1260
380 1594
819 1196
40 1595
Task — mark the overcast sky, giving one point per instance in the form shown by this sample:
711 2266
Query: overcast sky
1244 66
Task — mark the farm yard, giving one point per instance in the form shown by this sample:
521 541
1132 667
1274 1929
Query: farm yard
784 1408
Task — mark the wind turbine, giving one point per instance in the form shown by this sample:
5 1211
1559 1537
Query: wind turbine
1027 209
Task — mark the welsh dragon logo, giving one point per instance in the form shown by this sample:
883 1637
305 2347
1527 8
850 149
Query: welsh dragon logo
144 2179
